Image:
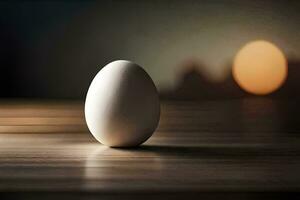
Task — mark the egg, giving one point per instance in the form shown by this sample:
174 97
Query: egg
122 107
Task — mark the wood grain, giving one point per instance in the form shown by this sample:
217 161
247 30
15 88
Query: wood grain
237 149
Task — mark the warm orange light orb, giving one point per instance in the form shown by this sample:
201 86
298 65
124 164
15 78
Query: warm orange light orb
260 67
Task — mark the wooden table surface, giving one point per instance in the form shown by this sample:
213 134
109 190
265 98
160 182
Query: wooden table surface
235 149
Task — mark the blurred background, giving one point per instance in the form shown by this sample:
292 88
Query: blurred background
53 49
231 140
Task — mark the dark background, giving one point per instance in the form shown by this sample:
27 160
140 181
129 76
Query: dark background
53 49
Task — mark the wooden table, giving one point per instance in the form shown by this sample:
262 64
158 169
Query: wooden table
228 149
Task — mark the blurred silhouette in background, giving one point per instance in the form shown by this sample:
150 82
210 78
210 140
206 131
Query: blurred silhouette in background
193 84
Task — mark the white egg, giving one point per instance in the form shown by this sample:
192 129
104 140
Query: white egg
122 106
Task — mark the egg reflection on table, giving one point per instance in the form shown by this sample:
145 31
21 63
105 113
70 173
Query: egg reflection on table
122 106
260 67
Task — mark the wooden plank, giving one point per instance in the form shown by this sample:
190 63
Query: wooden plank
199 148
40 161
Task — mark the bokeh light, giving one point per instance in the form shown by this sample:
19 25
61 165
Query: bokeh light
260 67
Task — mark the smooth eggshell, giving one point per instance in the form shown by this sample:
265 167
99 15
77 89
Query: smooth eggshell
122 106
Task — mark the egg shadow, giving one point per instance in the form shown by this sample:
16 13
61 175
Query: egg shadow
212 151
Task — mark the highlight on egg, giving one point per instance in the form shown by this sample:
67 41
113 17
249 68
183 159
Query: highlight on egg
122 107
